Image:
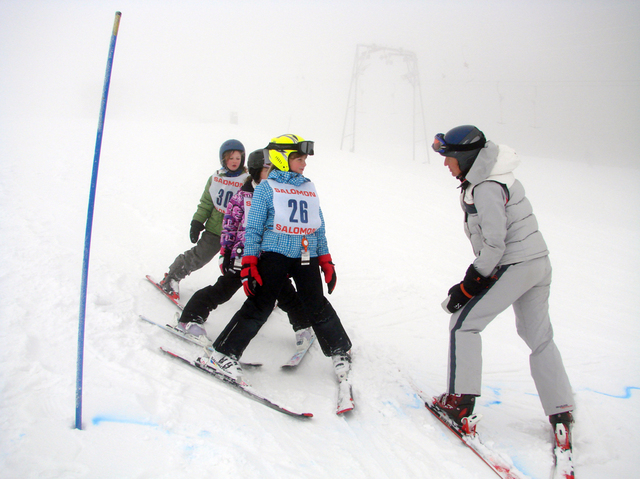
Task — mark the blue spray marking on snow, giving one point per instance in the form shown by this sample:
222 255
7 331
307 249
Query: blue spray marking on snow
496 392
100 419
418 403
520 466
626 395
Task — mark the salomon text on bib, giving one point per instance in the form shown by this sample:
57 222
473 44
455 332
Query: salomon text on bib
223 188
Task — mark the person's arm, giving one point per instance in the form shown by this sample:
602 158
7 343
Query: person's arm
257 219
205 207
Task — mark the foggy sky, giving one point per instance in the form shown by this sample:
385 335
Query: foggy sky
551 78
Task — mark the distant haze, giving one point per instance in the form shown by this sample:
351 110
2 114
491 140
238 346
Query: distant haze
551 78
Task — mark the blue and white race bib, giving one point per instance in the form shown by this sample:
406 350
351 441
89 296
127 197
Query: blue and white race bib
297 208
223 188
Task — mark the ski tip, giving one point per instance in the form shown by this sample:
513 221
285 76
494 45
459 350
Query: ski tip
299 415
340 412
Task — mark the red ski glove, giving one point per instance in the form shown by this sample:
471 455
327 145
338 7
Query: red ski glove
329 271
250 276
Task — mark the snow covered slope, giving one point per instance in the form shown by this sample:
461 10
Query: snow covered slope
395 233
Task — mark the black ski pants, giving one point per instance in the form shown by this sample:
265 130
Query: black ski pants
207 299
274 270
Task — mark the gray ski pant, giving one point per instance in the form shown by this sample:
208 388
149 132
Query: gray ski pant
195 258
525 286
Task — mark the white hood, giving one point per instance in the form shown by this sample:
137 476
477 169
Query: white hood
507 161
494 163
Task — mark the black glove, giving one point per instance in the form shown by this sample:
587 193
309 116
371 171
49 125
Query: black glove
473 282
224 260
456 299
194 233
460 294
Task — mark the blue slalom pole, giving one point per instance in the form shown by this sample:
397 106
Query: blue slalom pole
87 238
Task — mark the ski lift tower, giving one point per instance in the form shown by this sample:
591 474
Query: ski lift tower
362 59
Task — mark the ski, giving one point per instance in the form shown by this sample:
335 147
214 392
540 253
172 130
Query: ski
174 298
243 387
562 451
297 357
205 342
345 401
502 466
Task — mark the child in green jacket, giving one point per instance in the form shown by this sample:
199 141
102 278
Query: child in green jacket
220 187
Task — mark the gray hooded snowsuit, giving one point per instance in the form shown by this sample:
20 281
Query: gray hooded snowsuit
503 231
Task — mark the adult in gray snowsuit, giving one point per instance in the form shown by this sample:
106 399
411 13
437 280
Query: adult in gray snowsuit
511 268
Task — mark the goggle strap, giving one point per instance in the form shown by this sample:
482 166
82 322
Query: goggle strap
289 146
468 147
282 146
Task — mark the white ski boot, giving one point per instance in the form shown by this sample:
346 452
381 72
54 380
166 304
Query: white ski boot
226 366
341 365
303 338
193 329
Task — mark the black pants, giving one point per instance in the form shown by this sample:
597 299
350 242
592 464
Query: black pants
207 299
274 269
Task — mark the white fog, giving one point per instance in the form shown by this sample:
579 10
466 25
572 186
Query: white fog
558 80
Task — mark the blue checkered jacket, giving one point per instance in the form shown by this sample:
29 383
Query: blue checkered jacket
259 235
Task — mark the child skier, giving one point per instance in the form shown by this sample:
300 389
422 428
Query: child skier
511 268
220 187
285 236
204 301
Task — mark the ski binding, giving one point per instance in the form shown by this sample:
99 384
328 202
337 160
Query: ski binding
247 390
174 298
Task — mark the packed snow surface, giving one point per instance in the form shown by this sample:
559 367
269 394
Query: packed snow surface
395 233
191 74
